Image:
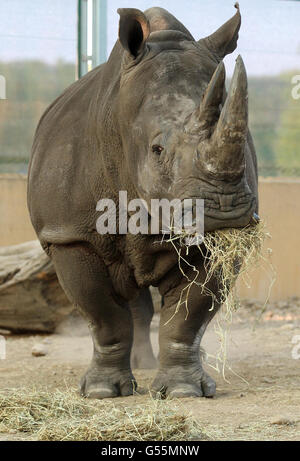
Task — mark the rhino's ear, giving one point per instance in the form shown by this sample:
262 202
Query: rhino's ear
134 29
224 40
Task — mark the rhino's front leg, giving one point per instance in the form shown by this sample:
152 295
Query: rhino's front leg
84 278
180 371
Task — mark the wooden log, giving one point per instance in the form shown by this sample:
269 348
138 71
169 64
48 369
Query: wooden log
31 299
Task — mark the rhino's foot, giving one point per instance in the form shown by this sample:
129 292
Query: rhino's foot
176 382
142 357
101 383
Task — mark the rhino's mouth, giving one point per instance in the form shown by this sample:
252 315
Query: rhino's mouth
238 216
229 205
231 210
225 204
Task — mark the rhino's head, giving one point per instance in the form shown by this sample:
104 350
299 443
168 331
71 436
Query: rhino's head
182 136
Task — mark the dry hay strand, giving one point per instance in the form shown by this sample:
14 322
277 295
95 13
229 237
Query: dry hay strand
64 415
227 254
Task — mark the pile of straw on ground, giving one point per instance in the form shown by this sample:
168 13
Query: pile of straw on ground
64 415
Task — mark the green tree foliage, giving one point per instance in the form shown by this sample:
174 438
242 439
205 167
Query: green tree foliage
274 117
266 100
287 149
30 87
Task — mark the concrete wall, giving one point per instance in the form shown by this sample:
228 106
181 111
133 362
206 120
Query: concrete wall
15 225
279 207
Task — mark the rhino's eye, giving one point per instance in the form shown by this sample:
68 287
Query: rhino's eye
157 149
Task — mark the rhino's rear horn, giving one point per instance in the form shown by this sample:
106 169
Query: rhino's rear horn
231 130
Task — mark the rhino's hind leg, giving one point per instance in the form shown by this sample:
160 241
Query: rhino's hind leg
180 372
142 312
83 276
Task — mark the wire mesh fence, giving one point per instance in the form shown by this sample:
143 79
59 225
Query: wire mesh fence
44 64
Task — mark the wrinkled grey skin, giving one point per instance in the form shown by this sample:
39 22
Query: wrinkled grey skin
159 87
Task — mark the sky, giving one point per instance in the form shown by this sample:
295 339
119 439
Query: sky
269 38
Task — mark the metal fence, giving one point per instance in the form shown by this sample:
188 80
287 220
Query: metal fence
62 41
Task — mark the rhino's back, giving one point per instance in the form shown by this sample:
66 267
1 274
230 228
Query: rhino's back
62 165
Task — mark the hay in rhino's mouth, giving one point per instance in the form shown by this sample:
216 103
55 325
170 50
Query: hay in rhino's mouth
227 254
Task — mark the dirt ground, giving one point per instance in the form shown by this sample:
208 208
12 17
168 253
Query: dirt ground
259 401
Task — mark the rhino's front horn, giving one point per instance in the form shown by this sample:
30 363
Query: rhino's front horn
231 130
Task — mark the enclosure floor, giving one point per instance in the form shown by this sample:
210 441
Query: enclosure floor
259 401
